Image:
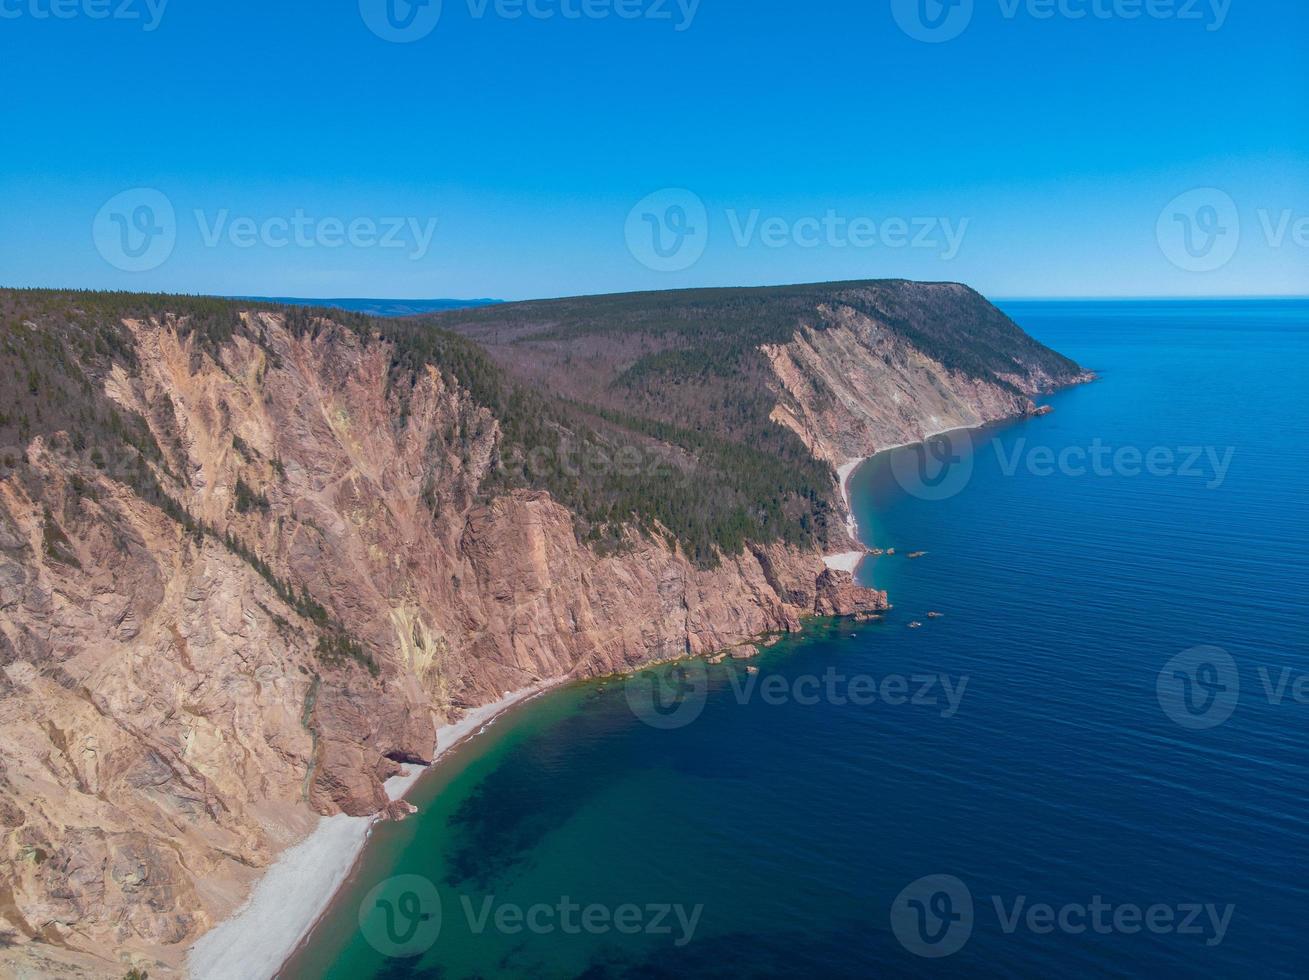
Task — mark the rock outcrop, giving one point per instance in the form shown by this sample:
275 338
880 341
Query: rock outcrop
856 385
189 679
168 721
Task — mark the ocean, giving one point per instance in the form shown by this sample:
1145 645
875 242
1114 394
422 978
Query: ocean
1092 762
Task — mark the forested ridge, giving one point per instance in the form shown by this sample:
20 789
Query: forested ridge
685 367
674 438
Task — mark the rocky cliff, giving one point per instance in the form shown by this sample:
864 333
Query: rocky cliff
854 385
292 555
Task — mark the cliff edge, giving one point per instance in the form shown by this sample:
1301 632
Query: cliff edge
251 557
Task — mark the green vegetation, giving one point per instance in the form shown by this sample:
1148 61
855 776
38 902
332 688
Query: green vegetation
56 543
707 489
710 493
56 349
248 499
683 370
712 331
649 410
335 645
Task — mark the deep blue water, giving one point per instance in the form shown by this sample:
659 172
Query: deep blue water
1062 776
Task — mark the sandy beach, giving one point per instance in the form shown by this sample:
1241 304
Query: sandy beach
849 561
296 890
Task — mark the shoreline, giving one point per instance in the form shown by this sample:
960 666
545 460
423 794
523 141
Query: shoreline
293 893
849 561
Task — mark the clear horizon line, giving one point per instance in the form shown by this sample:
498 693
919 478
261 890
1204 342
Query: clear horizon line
1154 296
1008 298
1162 297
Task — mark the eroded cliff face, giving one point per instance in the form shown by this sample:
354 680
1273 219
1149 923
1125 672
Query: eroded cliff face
856 386
169 718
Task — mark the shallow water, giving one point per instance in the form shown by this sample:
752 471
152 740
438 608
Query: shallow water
1046 763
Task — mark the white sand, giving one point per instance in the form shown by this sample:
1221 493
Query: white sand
849 561
844 472
255 942
296 890
284 905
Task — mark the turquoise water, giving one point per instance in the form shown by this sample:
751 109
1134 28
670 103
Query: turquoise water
1046 764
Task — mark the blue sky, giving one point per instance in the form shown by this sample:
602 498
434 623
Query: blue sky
1036 153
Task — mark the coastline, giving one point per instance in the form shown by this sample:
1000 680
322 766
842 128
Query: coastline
291 896
295 891
849 561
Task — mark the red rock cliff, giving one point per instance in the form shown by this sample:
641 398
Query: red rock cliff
168 721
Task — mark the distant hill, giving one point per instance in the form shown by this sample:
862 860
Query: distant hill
759 392
741 402
378 307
